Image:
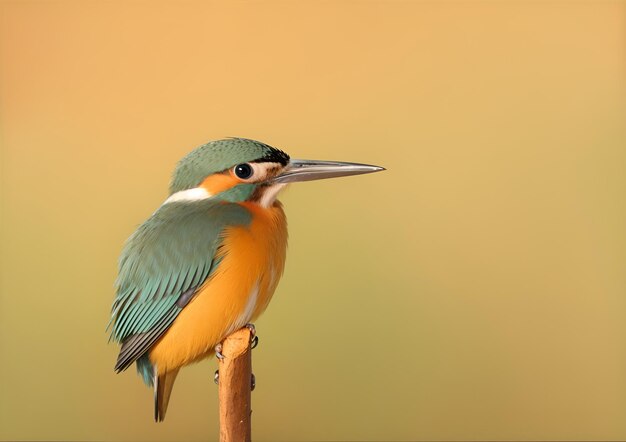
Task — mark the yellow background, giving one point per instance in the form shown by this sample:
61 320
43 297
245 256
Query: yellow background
475 290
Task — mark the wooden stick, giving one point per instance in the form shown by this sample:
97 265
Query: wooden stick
235 376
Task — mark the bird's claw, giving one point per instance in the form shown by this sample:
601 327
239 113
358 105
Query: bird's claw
252 329
254 339
216 377
218 351
252 382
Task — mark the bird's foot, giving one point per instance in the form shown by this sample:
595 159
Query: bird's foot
218 351
216 379
254 339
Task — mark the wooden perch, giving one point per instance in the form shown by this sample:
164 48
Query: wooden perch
235 377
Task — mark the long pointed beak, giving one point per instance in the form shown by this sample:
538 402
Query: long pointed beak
309 170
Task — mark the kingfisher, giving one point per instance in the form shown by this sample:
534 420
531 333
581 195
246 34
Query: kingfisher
208 260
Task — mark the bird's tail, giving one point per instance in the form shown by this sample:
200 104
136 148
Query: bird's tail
163 384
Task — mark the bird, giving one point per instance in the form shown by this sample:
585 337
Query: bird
207 262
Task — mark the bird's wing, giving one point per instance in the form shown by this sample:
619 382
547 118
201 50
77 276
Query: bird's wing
163 263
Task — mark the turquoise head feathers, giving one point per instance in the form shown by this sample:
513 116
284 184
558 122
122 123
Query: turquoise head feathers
219 155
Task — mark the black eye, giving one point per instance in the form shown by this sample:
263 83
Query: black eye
243 171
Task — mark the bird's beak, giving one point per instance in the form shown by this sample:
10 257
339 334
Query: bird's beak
309 170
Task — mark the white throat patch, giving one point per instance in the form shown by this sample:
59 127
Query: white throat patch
270 194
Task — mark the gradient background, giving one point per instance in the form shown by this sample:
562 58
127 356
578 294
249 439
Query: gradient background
475 290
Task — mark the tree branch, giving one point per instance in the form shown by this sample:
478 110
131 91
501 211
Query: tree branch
235 377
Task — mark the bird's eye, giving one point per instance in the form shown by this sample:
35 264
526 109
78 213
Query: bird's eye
243 171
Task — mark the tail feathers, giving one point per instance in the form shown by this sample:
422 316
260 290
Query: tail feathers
163 384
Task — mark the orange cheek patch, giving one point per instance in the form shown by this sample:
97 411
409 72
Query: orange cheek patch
220 182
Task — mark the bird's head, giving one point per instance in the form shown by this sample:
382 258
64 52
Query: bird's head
250 170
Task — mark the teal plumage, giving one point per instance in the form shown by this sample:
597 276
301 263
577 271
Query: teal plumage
170 254
145 370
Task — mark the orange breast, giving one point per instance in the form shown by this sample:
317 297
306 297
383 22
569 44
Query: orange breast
253 259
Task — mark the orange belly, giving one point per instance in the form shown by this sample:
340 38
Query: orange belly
253 259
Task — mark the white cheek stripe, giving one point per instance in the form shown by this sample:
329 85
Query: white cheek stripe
200 193
195 194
